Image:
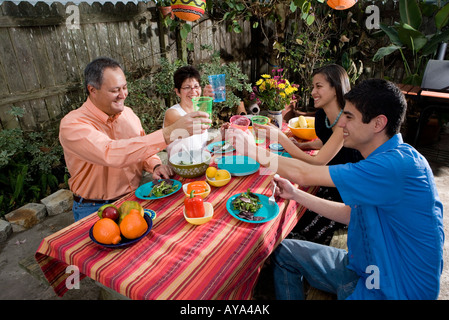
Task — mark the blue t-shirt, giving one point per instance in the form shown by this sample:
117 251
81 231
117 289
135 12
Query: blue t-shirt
395 234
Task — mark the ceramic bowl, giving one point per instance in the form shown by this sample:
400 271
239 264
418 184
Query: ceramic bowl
304 133
203 195
190 164
209 213
219 183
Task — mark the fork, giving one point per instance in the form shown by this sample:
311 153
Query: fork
271 200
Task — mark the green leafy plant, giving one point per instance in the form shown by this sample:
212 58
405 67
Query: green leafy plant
145 103
306 47
409 38
31 166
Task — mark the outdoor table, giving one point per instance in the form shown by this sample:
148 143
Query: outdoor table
221 259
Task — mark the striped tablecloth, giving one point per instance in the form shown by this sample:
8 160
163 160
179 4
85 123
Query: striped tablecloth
221 259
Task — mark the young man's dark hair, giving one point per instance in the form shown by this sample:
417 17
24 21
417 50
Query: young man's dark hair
377 96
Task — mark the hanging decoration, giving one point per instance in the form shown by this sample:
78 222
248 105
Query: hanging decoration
341 4
189 10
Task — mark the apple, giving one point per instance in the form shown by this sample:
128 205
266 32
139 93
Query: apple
108 211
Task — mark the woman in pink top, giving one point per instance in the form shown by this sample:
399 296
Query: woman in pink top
105 146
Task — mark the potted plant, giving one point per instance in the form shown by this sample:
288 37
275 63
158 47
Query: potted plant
165 8
274 94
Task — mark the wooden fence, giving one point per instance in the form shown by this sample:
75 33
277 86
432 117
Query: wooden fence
45 48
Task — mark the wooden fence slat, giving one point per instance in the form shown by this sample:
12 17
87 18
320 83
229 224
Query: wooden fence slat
10 63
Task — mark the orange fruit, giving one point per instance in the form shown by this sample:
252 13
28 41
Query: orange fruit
133 225
106 231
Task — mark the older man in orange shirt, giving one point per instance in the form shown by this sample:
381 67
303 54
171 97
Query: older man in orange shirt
105 146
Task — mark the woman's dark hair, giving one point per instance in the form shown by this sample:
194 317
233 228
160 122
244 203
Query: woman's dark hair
93 73
337 78
184 73
374 97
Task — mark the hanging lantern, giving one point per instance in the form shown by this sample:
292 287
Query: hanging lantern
189 10
341 4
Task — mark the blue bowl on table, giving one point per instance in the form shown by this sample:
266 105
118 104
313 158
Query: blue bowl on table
125 242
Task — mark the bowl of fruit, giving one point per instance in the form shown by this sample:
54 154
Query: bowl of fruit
303 127
217 177
119 227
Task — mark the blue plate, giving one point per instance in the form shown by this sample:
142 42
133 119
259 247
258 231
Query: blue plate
125 242
238 165
211 146
276 147
151 213
144 190
268 211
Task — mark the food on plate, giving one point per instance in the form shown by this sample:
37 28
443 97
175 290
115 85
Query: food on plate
197 187
106 231
162 187
133 225
108 211
194 206
224 147
247 204
126 207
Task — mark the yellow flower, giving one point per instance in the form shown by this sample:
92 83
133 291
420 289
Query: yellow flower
282 94
266 76
259 82
282 86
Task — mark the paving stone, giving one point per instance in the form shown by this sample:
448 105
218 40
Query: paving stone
5 230
58 202
27 216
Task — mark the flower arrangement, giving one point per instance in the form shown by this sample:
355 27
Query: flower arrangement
274 92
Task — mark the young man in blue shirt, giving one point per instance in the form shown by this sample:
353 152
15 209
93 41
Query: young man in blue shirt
391 207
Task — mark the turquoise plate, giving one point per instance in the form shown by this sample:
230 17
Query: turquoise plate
210 147
144 190
238 165
268 211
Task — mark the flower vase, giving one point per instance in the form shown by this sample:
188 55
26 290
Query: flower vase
276 117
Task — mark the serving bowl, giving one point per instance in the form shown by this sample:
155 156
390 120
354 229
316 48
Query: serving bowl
190 164
203 195
208 214
219 183
302 133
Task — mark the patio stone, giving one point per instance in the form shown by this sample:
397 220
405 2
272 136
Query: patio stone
5 230
26 216
58 202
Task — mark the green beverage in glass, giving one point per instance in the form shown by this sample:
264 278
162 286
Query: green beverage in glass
203 104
